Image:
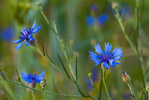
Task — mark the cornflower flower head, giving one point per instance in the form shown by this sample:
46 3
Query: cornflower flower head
102 19
94 8
106 57
7 34
91 20
94 78
124 10
33 78
27 35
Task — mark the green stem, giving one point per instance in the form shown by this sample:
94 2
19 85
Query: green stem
148 95
132 90
93 85
33 95
63 47
47 59
61 42
36 90
104 83
101 79
46 97
132 45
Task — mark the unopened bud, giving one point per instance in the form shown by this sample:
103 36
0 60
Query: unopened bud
90 74
76 54
125 77
93 42
114 5
147 86
38 3
43 83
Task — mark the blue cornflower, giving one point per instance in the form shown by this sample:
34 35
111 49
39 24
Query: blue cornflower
7 34
94 7
124 11
94 78
32 78
27 35
106 57
127 96
90 20
102 19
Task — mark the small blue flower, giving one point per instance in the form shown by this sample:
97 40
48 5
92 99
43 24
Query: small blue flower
102 19
7 34
127 96
94 78
94 7
32 78
27 35
124 11
90 20
106 57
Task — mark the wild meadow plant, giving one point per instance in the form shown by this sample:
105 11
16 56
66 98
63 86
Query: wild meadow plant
105 60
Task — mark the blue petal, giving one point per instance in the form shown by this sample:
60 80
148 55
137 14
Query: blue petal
98 49
117 52
23 30
31 37
108 48
94 57
90 20
17 41
111 62
26 77
19 46
34 25
26 43
106 65
40 77
102 19
115 64
95 74
89 84
36 29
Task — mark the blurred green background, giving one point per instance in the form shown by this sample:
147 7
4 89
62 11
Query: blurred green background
70 16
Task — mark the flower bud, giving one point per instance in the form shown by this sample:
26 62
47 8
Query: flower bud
90 74
125 77
43 83
38 3
114 5
147 86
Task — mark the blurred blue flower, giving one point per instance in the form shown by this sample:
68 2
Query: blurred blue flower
127 96
93 7
32 78
106 57
7 34
27 35
102 19
124 11
90 20
94 78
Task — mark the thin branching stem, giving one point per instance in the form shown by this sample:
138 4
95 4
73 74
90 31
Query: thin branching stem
101 82
104 82
132 90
